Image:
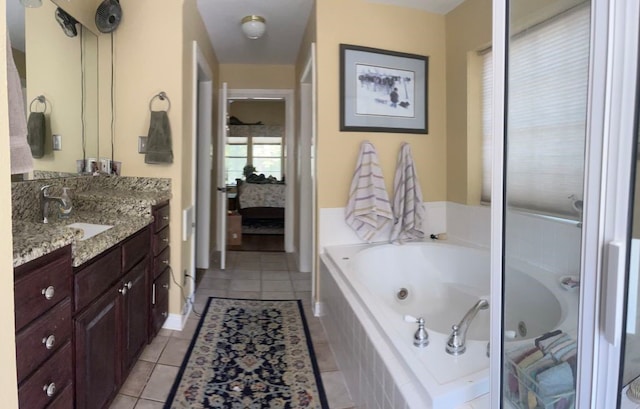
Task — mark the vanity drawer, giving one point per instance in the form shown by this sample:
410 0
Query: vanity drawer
41 284
135 249
40 340
97 277
160 241
64 400
51 379
161 261
161 217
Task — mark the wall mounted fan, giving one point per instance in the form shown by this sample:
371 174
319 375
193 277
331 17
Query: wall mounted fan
108 15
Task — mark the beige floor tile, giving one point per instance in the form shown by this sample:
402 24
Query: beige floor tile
275 275
174 352
149 404
325 358
164 332
123 402
275 266
214 283
296 275
244 285
246 274
248 295
317 331
160 383
277 295
305 296
188 330
282 285
301 285
152 351
137 379
219 274
336 390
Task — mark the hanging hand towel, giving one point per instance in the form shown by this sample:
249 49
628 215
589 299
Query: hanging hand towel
35 133
21 161
408 209
368 209
159 148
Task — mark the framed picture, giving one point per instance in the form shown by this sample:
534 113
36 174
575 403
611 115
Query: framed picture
383 91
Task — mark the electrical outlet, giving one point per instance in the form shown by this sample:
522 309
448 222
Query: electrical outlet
142 144
57 142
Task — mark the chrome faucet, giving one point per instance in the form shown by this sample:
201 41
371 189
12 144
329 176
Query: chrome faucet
45 199
456 345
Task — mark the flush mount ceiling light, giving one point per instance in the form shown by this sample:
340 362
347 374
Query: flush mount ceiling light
253 26
31 3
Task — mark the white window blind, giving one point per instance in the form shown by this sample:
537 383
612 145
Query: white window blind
546 115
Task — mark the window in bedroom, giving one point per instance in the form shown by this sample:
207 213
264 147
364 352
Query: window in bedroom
546 121
263 152
235 157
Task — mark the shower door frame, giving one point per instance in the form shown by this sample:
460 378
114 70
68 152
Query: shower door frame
607 178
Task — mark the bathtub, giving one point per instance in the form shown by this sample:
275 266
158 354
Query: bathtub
438 281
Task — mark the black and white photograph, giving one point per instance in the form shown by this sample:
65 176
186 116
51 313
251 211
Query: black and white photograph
383 91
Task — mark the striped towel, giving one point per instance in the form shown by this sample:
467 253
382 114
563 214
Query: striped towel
408 209
368 209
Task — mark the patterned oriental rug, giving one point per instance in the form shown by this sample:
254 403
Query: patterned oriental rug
249 354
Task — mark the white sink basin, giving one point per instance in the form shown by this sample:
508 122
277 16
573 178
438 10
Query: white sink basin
89 229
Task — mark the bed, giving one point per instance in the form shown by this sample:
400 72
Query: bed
260 200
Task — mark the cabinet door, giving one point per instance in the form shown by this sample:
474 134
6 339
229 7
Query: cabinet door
97 352
159 302
135 313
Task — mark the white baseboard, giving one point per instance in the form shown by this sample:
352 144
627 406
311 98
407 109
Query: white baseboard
318 309
176 322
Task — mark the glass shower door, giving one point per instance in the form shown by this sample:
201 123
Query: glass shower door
547 79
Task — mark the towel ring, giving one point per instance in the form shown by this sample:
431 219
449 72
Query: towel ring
41 99
162 96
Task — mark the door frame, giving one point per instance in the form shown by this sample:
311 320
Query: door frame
287 95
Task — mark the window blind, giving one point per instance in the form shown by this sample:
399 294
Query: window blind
546 115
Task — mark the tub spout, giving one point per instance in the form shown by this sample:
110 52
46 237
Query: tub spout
457 343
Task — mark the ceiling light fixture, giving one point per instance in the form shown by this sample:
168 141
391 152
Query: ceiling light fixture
253 26
31 3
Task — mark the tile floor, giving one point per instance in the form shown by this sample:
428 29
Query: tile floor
248 275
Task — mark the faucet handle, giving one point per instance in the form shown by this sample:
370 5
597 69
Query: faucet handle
44 189
410 318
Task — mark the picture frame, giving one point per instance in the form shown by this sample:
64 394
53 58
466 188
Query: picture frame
383 91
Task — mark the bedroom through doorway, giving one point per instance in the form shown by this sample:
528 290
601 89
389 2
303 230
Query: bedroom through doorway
255 174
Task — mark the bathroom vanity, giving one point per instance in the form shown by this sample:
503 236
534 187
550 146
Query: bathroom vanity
86 307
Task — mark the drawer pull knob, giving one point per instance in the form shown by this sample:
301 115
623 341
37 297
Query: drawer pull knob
123 290
165 286
165 239
165 261
49 292
49 389
164 314
49 342
129 285
165 217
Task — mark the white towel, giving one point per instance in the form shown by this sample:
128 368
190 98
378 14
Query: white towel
408 209
20 152
368 209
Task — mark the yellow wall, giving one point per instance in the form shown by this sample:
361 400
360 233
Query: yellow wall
8 381
251 76
267 112
361 23
468 29
149 58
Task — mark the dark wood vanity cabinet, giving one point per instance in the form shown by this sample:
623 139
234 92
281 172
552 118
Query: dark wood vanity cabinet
43 307
160 276
111 325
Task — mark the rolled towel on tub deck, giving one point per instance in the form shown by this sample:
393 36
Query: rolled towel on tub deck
159 145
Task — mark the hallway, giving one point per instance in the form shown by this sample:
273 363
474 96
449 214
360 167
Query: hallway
253 275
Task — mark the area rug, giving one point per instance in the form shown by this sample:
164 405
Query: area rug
263 226
249 354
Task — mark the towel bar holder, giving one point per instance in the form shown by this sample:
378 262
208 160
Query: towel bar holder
162 96
41 99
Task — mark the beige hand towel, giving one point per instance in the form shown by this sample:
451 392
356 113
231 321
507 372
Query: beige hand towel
20 152
368 209
408 208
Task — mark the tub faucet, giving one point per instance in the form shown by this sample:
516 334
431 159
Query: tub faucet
457 343
45 199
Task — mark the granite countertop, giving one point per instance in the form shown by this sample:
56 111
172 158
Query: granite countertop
32 239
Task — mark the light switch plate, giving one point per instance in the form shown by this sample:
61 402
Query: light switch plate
57 142
142 144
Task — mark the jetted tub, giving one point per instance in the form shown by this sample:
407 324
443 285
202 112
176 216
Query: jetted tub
440 282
